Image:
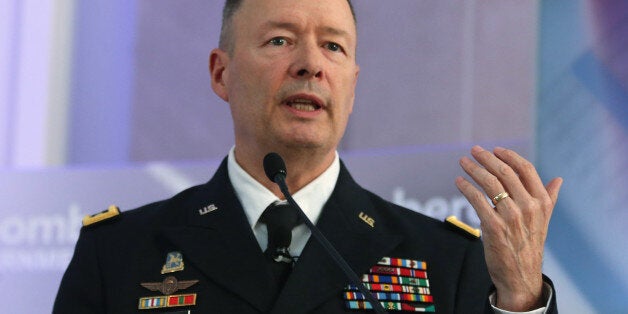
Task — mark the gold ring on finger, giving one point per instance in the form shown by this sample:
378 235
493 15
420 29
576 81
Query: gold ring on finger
500 197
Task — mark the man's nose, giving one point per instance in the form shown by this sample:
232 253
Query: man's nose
308 62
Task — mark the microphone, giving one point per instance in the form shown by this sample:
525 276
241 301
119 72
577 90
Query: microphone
275 169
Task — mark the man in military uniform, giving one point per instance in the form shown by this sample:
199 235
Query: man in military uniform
287 68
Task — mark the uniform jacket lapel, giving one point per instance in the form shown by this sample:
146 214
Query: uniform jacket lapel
220 243
344 221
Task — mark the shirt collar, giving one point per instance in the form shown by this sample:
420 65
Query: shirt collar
255 197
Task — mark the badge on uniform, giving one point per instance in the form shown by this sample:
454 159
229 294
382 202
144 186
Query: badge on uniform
399 284
170 285
174 262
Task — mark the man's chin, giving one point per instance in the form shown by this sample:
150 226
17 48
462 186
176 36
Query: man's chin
307 145
303 145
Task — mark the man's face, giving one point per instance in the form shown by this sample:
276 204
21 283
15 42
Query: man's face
290 77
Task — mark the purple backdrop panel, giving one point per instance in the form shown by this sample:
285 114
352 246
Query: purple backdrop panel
176 115
442 71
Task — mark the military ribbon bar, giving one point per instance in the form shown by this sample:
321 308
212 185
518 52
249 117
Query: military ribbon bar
392 288
402 262
406 272
391 306
152 303
148 303
182 300
384 296
396 280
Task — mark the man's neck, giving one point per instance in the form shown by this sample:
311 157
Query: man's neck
302 167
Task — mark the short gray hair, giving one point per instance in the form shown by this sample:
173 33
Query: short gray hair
230 8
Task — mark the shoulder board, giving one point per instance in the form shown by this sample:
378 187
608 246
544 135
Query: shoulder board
111 212
459 225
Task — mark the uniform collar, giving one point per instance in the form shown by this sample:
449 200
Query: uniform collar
254 197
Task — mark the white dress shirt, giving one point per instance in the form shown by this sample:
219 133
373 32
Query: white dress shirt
255 197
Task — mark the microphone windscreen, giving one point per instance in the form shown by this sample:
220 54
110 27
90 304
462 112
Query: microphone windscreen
274 165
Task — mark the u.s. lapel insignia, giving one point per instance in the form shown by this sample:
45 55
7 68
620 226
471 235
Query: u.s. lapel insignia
398 284
207 209
368 220
169 286
174 262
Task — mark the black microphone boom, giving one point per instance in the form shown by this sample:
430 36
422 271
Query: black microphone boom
275 169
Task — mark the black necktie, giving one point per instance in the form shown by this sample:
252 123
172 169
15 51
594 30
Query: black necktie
280 219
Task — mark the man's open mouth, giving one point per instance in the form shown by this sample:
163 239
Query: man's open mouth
303 104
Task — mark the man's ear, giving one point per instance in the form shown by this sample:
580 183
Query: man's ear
218 62
355 83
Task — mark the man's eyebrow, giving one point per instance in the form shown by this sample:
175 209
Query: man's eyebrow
278 24
294 27
335 31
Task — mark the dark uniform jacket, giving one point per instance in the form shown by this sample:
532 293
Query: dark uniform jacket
219 250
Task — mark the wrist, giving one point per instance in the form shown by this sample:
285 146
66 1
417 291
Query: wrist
521 301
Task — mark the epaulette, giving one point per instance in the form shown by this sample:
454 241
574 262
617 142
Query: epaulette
110 213
459 225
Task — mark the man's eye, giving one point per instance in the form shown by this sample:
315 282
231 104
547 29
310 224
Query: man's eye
278 41
334 47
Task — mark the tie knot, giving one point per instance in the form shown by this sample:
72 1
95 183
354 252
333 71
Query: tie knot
280 215
280 219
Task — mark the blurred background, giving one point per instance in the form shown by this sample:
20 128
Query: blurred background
109 102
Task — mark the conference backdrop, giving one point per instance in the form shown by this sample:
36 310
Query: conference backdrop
119 110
